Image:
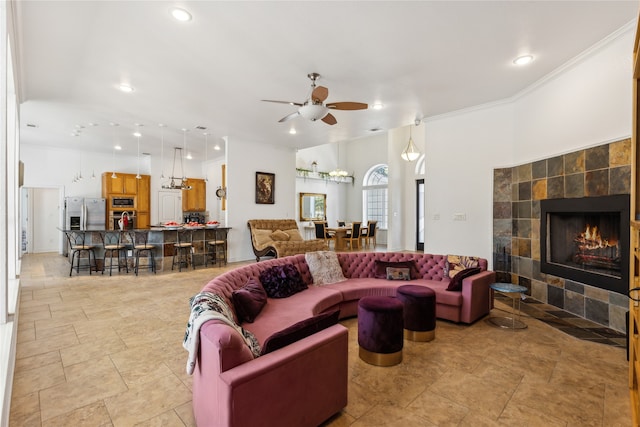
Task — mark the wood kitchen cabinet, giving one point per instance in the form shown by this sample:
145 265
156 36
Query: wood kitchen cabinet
195 200
123 183
144 193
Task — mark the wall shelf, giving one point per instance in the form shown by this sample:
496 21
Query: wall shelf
323 176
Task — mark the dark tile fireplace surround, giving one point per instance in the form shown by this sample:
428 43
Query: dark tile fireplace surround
594 173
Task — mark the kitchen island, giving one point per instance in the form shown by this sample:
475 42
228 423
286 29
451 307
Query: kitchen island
162 238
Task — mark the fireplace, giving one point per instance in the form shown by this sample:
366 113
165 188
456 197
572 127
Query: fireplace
586 240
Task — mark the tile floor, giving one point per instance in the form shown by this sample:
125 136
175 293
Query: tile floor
106 351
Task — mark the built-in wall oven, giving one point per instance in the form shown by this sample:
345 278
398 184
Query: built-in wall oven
115 217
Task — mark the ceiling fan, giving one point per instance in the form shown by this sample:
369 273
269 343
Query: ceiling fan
314 108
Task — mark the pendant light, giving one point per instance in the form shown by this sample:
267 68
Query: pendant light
162 150
80 173
184 150
338 173
113 160
137 134
206 155
410 153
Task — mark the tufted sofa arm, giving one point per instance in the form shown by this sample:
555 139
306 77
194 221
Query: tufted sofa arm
280 249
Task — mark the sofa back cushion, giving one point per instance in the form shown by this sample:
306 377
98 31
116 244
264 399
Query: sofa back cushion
300 330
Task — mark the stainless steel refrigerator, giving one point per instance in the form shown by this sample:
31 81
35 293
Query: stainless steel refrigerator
84 213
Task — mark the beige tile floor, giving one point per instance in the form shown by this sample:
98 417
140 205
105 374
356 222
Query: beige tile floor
106 351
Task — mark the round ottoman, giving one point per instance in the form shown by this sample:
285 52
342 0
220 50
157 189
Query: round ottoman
419 312
380 326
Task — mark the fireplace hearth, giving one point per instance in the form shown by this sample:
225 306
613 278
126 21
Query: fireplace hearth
586 240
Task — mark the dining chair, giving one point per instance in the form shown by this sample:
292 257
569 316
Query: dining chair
370 234
353 238
341 223
322 233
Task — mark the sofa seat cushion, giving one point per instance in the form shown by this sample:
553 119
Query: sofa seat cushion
280 313
442 296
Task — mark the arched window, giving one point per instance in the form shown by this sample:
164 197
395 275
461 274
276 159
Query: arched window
374 195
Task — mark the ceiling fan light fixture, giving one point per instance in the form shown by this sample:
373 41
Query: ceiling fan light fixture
125 88
313 112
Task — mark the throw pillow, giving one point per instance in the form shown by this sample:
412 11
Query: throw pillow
294 235
394 273
324 267
456 283
282 281
249 301
300 330
456 263
279 236
381 268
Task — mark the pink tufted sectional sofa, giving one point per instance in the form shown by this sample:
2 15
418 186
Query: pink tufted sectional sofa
305 383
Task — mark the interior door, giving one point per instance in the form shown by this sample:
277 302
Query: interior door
42 220
420 214
169 206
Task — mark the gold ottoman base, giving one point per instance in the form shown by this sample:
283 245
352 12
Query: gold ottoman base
420 336
380 359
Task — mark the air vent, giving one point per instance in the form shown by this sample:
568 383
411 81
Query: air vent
31 125
201 127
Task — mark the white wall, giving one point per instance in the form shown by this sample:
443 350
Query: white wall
587 104
244 159
461 153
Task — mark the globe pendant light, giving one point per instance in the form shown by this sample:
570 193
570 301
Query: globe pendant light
410 153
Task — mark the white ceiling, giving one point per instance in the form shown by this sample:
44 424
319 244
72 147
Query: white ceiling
419 58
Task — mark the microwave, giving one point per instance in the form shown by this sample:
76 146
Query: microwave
123 202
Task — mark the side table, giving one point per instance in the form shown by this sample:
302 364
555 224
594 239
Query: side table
505 321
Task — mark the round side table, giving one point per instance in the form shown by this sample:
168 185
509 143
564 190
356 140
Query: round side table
505 321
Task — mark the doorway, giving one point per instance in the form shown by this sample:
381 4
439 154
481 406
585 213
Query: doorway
41 215
420 215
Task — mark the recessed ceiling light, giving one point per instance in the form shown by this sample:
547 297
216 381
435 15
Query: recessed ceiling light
189 157
523 60
292 131
180 14
216 147
377 105
137 134
125 88
117 147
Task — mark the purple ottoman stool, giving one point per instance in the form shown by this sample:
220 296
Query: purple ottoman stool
419 312
380 330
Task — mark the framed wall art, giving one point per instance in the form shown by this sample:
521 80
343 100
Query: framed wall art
265 188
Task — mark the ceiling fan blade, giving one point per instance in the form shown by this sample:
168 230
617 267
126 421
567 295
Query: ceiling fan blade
289 117
319 94
347 106
329 119
297 104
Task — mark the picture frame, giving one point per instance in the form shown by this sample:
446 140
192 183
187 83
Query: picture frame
265 188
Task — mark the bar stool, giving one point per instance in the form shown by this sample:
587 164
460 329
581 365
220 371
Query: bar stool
78 244
112 241
183 248
141 246
218 245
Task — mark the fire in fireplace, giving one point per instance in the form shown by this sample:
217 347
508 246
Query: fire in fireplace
586 240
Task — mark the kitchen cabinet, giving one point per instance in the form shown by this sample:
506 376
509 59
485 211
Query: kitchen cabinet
123 183
195 200
144 193
142 219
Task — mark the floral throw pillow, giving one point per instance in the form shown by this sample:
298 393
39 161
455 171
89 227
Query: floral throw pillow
282 281
457 263
324 267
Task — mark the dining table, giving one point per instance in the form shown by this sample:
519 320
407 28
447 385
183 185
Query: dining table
340 234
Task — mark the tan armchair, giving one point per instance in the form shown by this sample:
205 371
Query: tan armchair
280 237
